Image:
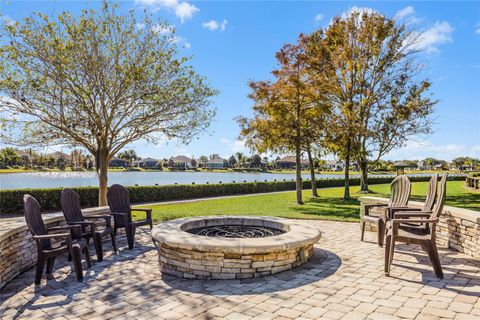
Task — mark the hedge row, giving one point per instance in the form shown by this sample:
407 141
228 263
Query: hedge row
11 201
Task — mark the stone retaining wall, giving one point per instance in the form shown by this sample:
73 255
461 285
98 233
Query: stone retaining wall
219 265
458 228
18 250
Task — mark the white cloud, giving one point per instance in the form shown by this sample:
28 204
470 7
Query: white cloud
360 10
405 12
140 26
415 150
213 25
183 10
319 17
477 28
235 146
439 33
181 41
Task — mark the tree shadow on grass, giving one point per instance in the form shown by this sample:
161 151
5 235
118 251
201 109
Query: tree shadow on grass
322 265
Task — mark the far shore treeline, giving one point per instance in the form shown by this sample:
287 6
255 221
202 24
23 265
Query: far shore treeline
16 161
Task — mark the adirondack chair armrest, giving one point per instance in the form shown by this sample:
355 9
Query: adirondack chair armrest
148 211
393 210
400 221
142 209
65 235
52 235
407 214
76 230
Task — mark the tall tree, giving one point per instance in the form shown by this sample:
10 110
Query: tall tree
9 156
98 81
203 160
380 101
287 111
232 161
240 160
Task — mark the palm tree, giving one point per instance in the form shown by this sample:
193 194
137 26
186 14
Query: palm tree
129 156
240 159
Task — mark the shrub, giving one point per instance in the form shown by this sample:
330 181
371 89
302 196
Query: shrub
11 201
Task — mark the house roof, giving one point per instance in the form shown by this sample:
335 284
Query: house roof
216 160
335 162
290 159
22 153
400 164
182 159
57 154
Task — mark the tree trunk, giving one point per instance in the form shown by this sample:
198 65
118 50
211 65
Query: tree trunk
101 163
298 172
362 165
312 173
346 194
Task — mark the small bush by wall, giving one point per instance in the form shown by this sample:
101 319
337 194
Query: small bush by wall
11 201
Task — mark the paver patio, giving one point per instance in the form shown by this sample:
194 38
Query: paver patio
344 280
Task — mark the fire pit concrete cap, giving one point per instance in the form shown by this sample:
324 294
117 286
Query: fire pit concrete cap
172 233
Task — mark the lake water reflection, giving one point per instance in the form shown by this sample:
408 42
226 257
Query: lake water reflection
84 179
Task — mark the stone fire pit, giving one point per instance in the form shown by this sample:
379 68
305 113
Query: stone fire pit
232 247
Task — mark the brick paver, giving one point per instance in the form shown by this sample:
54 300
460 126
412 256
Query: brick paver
344 280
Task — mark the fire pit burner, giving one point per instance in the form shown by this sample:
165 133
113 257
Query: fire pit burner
236 231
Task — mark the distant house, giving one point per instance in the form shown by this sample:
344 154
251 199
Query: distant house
148 163
182 162
289 163
57 155
334 165
117 163
422 165
24 155
216 163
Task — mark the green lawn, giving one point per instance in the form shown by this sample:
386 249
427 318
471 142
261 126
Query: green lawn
328 206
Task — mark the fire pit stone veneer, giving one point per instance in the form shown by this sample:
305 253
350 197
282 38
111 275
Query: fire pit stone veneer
198 256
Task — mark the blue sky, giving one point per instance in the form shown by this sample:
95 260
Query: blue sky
232 42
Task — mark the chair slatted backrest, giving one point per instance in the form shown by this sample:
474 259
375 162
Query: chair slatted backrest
431 194
71 207
118 200
400 191
33 217
441 196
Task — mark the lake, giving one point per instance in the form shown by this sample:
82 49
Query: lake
84 179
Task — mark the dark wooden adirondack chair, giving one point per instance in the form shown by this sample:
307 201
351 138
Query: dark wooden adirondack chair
72 210
119 203
399 194
73 244
429 199
417 227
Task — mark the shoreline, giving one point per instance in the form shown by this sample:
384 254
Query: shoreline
13 171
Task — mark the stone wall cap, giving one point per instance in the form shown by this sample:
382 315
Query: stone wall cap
171 234
455 212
